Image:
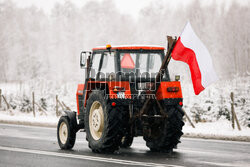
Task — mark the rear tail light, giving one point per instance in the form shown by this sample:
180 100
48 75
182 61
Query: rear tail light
181 103
173 89
113 104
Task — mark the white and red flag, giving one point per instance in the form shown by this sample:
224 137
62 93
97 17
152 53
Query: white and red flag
192 51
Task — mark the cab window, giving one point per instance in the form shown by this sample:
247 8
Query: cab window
95 64
108 64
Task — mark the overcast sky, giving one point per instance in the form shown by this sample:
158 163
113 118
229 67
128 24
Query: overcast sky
125 6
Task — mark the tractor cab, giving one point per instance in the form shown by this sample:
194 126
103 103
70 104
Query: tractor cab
129 63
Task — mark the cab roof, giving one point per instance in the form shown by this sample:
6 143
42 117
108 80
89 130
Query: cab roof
131 47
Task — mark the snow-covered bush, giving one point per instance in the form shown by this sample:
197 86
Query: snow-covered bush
25 105
43 103
214 103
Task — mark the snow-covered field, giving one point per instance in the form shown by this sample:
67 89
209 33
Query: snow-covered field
217 130
211 109
28 119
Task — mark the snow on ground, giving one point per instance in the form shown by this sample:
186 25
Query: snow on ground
219 128
28 119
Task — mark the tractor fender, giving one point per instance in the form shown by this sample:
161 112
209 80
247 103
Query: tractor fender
71 115
162 92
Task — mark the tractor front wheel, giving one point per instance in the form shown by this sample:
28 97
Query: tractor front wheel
66 134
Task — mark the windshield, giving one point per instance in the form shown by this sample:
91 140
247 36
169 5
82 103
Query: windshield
142 64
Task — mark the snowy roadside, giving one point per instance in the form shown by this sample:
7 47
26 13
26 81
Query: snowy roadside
220 130
28 119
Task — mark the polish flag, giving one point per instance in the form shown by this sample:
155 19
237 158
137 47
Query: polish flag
192 51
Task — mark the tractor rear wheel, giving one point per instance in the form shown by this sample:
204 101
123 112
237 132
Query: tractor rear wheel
103 124
168 134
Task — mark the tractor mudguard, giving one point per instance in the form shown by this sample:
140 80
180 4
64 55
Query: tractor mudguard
72 119
79 99
169 90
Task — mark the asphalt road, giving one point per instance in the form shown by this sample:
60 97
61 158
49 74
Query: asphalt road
35 146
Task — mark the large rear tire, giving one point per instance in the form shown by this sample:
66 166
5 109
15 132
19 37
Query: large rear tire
104 127
168 134
66 135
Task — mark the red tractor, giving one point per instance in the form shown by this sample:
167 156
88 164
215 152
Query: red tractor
125 96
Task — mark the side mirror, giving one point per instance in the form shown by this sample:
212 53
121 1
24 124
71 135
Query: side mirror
177 77
83 58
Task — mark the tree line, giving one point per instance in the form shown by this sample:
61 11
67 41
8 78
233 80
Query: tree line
34 44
